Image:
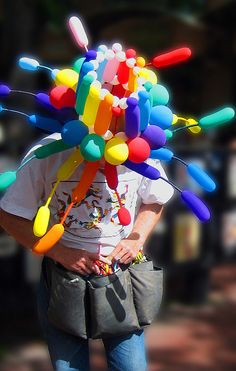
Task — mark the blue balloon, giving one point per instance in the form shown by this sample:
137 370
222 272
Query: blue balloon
196 205
161 116
145 109
159 94
28 64
45 123
201 177
163 154
144 169
73 132
4 90
132 118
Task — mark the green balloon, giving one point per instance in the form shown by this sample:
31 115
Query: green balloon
51 148
169 134
92 147
220 117
159 94
78 64
6 179
148 86
82 93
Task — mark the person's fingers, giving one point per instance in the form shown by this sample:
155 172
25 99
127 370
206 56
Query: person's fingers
114 253
125 257
128 260
84 267
96 269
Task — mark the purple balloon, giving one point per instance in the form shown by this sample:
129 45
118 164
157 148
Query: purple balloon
196 205
44 99
144 169
90 55
155 136
132 118
4 90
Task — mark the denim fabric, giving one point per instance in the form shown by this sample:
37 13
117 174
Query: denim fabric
71 353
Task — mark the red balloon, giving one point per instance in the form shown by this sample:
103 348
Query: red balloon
111 175
139 150
118 90
117 111
124 216
173 57
61 96
130 53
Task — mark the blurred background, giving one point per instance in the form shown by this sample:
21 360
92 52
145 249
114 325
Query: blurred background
196 326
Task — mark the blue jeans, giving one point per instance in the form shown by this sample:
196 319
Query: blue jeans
71 353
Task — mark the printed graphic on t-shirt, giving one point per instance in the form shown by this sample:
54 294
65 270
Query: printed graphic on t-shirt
97 212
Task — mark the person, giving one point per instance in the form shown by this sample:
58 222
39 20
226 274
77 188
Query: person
92 232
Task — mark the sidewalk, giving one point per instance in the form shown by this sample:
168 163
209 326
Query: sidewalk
185 338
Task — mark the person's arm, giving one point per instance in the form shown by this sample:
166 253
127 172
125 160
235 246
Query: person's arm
147 218
73 259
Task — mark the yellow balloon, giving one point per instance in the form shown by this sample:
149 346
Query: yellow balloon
91 106
68 78
140 62
68 167
116 151
148 75
194 129
175 119
41 221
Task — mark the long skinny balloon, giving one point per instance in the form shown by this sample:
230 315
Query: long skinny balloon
172 57
220 117
78 32
104 115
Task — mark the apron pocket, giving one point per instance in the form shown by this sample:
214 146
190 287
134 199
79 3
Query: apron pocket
67 301
112 307
147 283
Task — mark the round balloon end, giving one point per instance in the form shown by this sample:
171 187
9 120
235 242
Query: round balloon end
92 147
1 108
124 216
116 151
168 134
90 55
130 53
155 136
139 150
161 116
159 95
4 90
73 132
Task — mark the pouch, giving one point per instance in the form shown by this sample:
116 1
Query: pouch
67 304
147 285
111 304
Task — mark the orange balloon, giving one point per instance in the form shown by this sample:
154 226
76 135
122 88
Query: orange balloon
104 115
85 182
49 239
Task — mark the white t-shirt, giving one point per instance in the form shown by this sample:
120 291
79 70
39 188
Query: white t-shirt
92 224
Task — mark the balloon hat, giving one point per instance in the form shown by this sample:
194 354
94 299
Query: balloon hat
104 86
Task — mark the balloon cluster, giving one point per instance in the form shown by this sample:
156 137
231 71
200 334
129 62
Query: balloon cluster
106 86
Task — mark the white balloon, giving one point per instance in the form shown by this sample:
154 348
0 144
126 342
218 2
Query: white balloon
78 31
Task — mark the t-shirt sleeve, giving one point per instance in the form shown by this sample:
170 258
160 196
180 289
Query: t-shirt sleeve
155 191
25 195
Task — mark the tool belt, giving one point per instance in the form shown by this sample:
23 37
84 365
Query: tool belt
98 306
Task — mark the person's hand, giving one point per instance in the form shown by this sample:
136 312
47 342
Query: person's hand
76 260
125 251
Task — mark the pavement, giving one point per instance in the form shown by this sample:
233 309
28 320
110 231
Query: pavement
191 338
